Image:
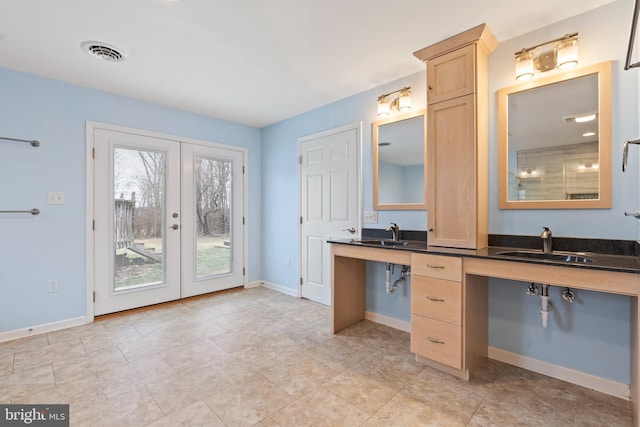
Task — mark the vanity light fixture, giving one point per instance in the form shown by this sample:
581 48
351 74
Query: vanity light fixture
401 103
562 56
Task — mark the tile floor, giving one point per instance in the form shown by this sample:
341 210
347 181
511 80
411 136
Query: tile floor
258 357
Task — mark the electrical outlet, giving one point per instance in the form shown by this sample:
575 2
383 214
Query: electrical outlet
371 217
55 198
54 285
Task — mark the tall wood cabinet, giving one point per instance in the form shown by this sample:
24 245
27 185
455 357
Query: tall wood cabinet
457 138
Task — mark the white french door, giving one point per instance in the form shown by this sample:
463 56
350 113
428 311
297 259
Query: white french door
168 219
212 186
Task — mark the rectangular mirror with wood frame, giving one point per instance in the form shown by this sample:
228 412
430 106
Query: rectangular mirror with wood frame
554 141
398 151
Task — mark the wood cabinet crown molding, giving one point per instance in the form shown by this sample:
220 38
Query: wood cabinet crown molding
481 35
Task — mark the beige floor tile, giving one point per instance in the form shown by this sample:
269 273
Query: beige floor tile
237 366
402 366
24 344
82 390
69 370
320 408
142 348
368 393
134 408
285 346
394 414
6 364
133 375
299 376
229 359
186 387
249 402
522 409
595 409
338 354
441 397
192 354
95 329
25 360
267 422
111 337
40 376
197 414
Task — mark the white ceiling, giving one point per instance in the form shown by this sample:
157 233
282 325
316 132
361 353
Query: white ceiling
254 62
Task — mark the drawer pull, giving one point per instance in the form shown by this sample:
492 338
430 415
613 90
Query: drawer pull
435 340
434 266
430 298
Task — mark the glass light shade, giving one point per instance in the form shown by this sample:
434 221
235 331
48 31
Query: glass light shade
567 54
384 107
404 101
524 66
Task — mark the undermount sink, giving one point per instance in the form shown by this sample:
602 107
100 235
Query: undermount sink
554 256
380 242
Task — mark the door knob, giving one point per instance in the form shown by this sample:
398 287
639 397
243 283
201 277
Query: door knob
175 226
351 230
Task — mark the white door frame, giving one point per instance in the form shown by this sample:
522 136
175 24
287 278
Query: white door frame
357 126
89 197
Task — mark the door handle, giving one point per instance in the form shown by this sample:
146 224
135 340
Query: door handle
174 226
351 230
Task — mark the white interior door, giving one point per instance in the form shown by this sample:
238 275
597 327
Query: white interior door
137 220
212 206
328 205
169 219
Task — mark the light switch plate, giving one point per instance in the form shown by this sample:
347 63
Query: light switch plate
55 198
371 217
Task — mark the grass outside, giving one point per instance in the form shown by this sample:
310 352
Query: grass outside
213 257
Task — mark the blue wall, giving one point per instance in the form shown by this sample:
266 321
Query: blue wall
52 245
578 334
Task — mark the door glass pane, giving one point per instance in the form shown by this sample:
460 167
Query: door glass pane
139 187
213 216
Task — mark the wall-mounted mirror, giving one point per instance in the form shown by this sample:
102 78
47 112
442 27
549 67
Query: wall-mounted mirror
398 150
554 148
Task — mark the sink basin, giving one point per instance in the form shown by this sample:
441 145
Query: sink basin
380 242
554 256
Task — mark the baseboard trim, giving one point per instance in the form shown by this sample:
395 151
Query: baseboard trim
280 288
388 321
42 329
582 379
253 284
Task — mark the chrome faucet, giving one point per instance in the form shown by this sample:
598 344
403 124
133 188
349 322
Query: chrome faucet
546 240
395 231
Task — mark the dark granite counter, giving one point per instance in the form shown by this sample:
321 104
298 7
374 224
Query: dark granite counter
588 259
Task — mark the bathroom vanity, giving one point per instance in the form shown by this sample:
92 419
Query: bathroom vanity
449 299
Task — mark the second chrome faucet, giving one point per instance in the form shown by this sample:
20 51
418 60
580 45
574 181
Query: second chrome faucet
547 243
395 231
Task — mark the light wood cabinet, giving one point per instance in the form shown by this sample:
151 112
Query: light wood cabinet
451 75
436 308
448 314
457 139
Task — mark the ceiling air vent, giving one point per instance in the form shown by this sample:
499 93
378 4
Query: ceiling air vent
103 51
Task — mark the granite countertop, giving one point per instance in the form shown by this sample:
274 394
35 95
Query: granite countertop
608 261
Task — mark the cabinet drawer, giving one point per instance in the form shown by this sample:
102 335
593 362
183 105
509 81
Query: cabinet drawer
438 266
436 298
437 341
